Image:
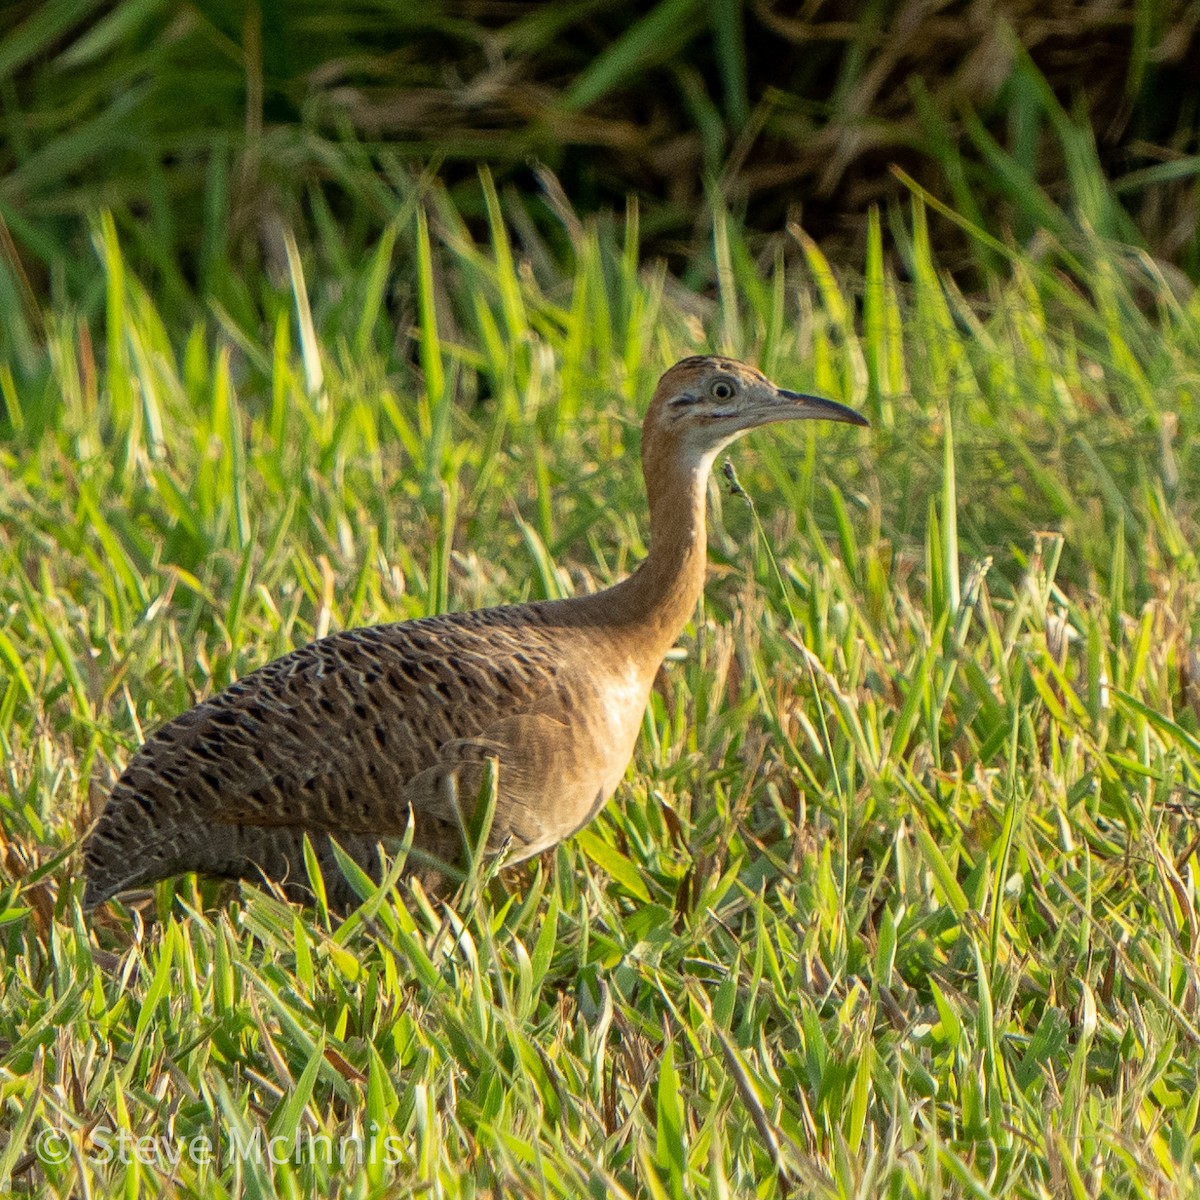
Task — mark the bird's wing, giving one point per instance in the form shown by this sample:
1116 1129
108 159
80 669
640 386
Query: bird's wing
328 737
548 782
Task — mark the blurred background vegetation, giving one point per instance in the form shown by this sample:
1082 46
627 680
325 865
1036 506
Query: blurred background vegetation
209 128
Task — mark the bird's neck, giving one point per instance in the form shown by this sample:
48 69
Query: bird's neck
658 599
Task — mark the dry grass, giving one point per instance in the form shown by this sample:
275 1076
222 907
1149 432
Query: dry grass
210 134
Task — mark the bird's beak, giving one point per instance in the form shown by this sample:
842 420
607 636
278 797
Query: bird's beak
817 408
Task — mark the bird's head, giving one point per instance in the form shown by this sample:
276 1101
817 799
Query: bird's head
703 403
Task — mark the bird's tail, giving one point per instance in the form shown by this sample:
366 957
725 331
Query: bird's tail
124 852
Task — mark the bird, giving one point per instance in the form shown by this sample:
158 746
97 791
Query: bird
357 733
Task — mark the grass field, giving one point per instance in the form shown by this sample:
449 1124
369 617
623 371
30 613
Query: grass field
899 896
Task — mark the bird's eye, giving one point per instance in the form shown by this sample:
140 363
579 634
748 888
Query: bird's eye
722 390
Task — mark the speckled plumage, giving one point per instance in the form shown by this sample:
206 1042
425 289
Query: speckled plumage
350 734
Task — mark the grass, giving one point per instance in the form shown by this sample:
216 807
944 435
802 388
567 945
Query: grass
899 896
198 128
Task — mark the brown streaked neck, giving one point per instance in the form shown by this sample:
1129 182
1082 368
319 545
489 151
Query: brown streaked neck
658 599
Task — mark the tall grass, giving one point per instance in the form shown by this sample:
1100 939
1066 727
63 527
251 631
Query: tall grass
201 127
898 897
